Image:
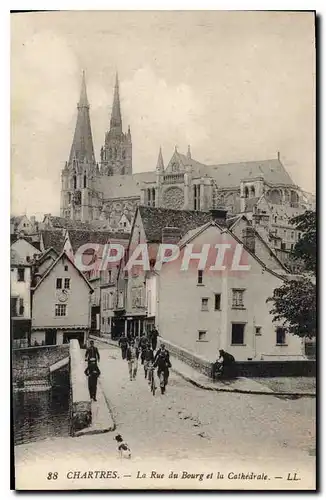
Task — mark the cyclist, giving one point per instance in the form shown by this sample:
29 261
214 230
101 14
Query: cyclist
148 357
162 362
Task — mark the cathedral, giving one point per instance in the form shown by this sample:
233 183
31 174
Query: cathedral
107 193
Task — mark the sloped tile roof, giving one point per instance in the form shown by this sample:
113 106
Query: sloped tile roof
230 174
125 186
54 239
63 223
155 219
78 237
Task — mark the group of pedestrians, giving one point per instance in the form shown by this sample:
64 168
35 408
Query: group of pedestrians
145 348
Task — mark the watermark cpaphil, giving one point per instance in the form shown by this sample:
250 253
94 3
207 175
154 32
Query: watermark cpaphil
217 257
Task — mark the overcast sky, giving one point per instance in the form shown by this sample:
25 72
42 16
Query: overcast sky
236 86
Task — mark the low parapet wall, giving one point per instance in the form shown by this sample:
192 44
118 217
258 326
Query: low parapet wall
81 404
286 368
194 360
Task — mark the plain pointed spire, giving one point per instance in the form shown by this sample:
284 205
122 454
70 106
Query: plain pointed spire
83 101
160 163
82 148
116 122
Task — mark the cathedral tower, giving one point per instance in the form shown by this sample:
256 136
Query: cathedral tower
116 153
80 199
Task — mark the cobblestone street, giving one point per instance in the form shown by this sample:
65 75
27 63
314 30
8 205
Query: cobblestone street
188 427
188 421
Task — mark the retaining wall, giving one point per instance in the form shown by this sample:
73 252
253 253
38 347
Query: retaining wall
297 368
81 404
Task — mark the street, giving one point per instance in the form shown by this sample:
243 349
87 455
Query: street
187 421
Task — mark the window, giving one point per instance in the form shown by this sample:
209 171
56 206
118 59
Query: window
200 278
204 304
124 224
258 330
85 181
283 247
13 306
21 274
238 333
59 284
60 310
280 336
66 268
109 321
67 283
102 321
110 300
202 335
237 298
292 235
21 307
217 302
110 275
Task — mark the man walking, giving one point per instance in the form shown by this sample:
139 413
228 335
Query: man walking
123 343
92 372
92 353
132 358
162 362
153 336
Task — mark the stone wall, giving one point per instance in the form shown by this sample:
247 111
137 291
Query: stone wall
39 357
81 404
297 368
195 361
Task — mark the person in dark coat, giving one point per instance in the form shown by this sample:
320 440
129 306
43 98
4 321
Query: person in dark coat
228 368
92 352
162 362
92 372
123 343
153 337
148 357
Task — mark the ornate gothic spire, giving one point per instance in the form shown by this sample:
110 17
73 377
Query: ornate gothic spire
82 148
160 163
116 122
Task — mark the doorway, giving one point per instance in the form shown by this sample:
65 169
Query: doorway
51 337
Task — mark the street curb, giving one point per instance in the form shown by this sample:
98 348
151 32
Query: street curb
240 391
110 428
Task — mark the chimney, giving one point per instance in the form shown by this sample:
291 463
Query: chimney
171 235
249 238
219 215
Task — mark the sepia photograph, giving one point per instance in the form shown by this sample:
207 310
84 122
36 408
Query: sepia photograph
163 250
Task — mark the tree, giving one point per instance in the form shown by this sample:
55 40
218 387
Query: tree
294 302
305 248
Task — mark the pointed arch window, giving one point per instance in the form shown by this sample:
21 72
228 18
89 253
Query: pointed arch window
246 192
85 180
153 197
75 181
196 197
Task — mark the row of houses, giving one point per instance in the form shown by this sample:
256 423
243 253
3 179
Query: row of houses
199 309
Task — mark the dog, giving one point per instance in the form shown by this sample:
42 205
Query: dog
123 448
